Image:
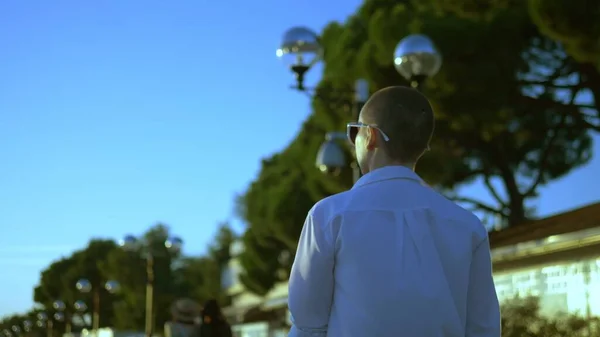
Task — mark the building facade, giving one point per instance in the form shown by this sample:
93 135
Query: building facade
556 259
251 315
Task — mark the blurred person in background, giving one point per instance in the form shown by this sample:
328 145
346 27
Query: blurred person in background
213 321
185 315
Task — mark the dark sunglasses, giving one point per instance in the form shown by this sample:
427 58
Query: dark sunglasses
353 128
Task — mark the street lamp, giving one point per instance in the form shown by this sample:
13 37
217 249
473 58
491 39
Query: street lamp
302 44
78 317
85 286
415 58
331 157
80 306
131 243
44 320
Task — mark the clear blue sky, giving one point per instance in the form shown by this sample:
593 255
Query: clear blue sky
117 114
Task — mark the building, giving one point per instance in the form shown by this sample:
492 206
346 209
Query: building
251 315
556 259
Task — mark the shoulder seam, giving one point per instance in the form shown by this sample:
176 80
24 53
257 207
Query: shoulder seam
486 238
326 225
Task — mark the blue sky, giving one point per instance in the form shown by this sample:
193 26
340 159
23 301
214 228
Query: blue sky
115 115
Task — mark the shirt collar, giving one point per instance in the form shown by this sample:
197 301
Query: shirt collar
388 173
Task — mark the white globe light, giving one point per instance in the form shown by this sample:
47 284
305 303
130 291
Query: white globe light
112 286
416 58
84 285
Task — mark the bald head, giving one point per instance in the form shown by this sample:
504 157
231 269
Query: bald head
406 116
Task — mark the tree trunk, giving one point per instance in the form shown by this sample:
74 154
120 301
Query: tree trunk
516 214
516 204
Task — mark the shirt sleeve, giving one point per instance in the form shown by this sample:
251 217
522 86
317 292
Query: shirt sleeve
483 309
311 281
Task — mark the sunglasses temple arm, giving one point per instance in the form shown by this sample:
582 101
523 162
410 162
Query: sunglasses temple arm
330 136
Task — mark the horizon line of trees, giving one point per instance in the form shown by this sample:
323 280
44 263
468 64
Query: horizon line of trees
102 260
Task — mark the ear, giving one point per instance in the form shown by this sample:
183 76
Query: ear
372 135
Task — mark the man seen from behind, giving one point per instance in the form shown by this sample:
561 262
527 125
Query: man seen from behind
391 257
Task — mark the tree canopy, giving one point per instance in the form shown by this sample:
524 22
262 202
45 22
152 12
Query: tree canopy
102 260
514 110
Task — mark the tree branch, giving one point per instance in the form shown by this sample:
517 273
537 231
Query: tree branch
550 79
548 84
546 155
488 183
480 205
571 109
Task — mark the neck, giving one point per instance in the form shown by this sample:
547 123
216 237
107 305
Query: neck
380 159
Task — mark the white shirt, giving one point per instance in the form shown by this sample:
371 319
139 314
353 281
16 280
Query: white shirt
391 257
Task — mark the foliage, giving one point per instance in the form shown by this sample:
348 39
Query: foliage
201 277
130 311
576 28
175 276
522 317
219 250
506 111
7 323
260 262
58 281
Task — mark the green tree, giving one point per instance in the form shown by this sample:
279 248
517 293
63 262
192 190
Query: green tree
277 202
574 27
8 322
260 262
219 249
58 281
200 278
90 266
16 320
489 127
195 278
501 119
219 255
129 268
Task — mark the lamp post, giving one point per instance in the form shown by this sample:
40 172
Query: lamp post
131 243
85 286
43 320
331 157
27 325
16 329
415 58
60 314
80 308
302 45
